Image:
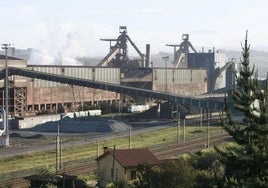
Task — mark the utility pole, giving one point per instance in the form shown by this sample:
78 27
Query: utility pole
98 146
166 58
129 138
179 128
183 130
221 116
201 117
61 141
208 119
58 155
113 171
5 47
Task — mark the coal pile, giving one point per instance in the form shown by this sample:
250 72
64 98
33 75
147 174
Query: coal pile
82 125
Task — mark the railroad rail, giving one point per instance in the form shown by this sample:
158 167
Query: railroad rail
163 152
81 169
189 146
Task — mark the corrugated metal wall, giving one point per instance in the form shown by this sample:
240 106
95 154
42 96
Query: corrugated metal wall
110 75
178 76
180 81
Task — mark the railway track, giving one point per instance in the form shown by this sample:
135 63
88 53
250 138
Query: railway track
164 152
189 146
81 169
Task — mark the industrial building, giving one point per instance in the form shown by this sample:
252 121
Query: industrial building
193 74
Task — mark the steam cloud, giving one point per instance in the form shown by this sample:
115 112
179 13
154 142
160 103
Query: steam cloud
62 44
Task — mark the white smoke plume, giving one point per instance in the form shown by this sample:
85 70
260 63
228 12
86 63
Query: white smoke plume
61 44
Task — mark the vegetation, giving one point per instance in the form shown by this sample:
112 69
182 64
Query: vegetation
241 164
192 171
87 152
46 179
247 166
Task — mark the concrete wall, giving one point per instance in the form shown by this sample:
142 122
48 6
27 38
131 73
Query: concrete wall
29 122
47 94
52 96
105 168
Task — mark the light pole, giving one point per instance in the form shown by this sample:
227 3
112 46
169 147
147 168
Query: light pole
5 47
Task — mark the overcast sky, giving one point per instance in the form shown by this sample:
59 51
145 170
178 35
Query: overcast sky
75 26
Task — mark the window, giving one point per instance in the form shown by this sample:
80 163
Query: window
133 174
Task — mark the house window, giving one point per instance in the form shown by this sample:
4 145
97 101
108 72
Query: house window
133 174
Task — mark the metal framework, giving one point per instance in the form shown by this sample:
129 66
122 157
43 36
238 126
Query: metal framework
120 50
181 56
20 101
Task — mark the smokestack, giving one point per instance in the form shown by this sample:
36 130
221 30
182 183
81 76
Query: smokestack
148 56
13 52
105 148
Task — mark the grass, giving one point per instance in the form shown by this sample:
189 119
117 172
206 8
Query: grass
88 152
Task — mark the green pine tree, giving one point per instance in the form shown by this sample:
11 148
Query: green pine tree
247 165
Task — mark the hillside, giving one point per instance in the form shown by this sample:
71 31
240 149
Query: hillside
257 58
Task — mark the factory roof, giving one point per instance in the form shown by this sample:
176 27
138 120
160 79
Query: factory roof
9 57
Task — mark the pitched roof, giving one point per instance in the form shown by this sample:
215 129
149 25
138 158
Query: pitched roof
132 157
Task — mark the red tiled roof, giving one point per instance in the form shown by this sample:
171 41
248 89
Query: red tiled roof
132 157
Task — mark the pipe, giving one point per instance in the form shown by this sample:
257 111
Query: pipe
2 110
148 55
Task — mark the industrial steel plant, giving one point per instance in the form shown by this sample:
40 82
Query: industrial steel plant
116 80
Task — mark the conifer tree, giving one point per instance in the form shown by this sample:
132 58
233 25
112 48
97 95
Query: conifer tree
247 165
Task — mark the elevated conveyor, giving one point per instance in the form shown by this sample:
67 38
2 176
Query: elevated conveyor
175 99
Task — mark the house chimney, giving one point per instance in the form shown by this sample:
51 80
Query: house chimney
105 148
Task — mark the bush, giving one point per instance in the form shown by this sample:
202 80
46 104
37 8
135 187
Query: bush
122 184
203 160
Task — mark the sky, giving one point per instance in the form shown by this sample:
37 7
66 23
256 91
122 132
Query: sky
74 28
